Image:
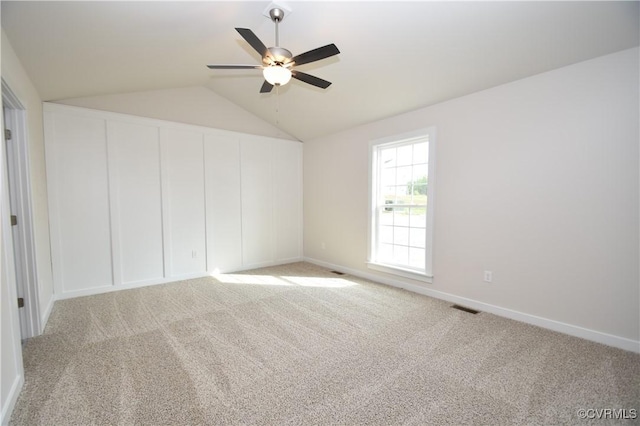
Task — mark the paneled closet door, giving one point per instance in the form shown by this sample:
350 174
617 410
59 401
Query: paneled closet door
136 202
223 203
287 200
271 201
182 154
79 202
257 202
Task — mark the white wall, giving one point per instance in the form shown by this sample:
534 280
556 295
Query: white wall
537 181
136 201
193 105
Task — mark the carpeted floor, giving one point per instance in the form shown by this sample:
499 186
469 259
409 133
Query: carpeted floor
299 345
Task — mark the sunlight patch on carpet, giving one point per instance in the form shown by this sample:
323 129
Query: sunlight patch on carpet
251 279
321 282
271 280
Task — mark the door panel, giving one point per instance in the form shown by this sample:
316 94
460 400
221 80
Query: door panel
81 203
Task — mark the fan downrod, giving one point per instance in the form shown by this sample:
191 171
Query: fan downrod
277 15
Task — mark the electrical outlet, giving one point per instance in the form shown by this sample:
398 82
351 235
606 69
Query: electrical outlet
488 276
194 254
323 245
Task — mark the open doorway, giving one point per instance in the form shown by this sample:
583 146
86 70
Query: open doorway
17 165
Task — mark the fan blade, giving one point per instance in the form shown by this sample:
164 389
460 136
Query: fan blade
316 54
254 41
310 79
266 87
234 67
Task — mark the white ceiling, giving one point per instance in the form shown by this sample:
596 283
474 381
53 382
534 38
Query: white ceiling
395 56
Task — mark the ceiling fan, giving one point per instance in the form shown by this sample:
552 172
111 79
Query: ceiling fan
278 63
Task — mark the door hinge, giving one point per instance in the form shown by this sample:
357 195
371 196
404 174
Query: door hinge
14 220
20 302
7 134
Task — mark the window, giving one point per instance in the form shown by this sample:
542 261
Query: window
402 178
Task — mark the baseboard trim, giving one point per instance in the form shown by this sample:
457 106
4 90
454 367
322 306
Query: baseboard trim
146 283
267 264
128 286
561 327
12 398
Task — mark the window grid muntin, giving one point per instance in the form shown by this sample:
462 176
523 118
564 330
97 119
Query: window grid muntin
388 164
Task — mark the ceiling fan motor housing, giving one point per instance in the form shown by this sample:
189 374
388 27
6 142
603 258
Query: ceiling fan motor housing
279 56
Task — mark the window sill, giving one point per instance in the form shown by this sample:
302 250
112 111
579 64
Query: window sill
406 273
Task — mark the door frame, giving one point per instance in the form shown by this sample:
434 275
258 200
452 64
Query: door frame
21 186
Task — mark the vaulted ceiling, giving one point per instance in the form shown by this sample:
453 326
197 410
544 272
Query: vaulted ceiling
395 56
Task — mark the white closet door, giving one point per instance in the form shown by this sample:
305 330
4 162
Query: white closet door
136 202
287 200
257 202
183 201
223 203
79 200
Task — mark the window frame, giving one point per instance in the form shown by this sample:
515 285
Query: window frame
374 146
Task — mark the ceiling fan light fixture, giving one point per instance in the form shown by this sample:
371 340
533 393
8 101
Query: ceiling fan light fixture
277 75
278 62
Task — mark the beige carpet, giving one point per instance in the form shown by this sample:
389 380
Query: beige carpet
298 345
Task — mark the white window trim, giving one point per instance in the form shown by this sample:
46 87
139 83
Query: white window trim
427 276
